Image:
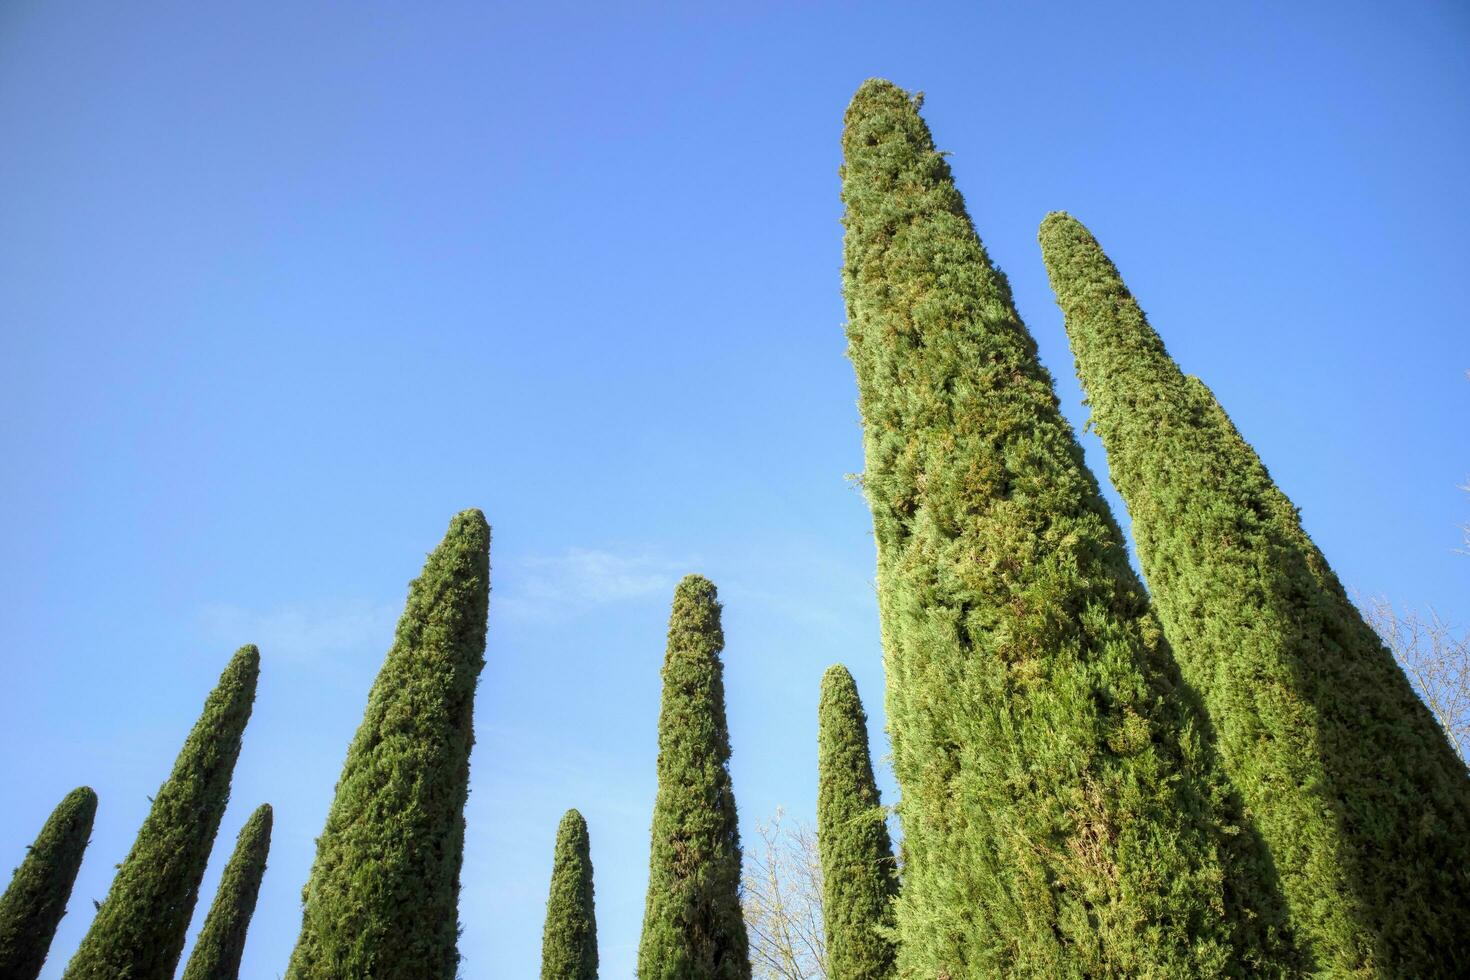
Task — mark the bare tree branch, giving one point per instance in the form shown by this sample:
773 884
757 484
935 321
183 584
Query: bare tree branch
1436 658
782 896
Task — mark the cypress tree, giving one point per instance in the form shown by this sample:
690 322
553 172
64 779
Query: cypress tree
221 943
36 899
1362 800
139 930
859 875
1060 811
383 897
569 943
692 922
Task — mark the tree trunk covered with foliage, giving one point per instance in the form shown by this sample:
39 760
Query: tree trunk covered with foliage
1364 804
34 903
692 924
140 929
1062 816
569 942
383 897
859 874
221 942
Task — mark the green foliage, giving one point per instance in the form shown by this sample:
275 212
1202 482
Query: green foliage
383 897
221 942
36 899
1360 797
139 930
1060 811
859 874
569 943
692 924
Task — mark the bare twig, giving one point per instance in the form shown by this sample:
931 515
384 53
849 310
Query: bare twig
1436 658
782 896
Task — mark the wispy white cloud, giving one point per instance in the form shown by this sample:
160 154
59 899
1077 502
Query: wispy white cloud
532 587
578 579
304 631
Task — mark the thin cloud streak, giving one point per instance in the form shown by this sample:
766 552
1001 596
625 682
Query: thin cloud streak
304 632
579 579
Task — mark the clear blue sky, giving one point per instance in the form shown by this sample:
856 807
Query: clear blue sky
284 286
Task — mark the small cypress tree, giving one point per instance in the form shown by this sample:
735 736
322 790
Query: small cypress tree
569 942
140 929
221 943
36 899
692 923
1361 798
859 874
1060 811
383 897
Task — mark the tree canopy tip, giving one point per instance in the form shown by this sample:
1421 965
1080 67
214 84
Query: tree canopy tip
471 519
1058 220
881 89
247 657
696 586
836 673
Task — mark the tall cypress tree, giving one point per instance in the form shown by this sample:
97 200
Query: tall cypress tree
859 874
569 942
139 930
36 899
692 923
1362 800
221 943
383 897
1060 813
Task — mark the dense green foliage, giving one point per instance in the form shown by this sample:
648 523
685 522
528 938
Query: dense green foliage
1362 800
1060 809
569 942
859 874
36 899
221 942
692 923
383 897
139 930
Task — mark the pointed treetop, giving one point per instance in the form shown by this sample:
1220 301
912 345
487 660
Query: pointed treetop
244 666
695 588
221 943
569 941
859 874
140 929
36 899
470 527
383 895
572 822
837 682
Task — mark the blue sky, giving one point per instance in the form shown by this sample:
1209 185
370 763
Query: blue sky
284 286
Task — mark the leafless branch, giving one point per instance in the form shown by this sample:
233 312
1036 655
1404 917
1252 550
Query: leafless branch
782 895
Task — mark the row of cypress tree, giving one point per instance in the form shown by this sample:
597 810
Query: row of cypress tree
693 924
139 930
1226 775
1223 775
382 898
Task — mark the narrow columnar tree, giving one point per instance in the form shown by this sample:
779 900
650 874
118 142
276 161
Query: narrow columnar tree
1362 800
692 925
1060 809
383 897
221 943
36 899
139 930
569 942
859 874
